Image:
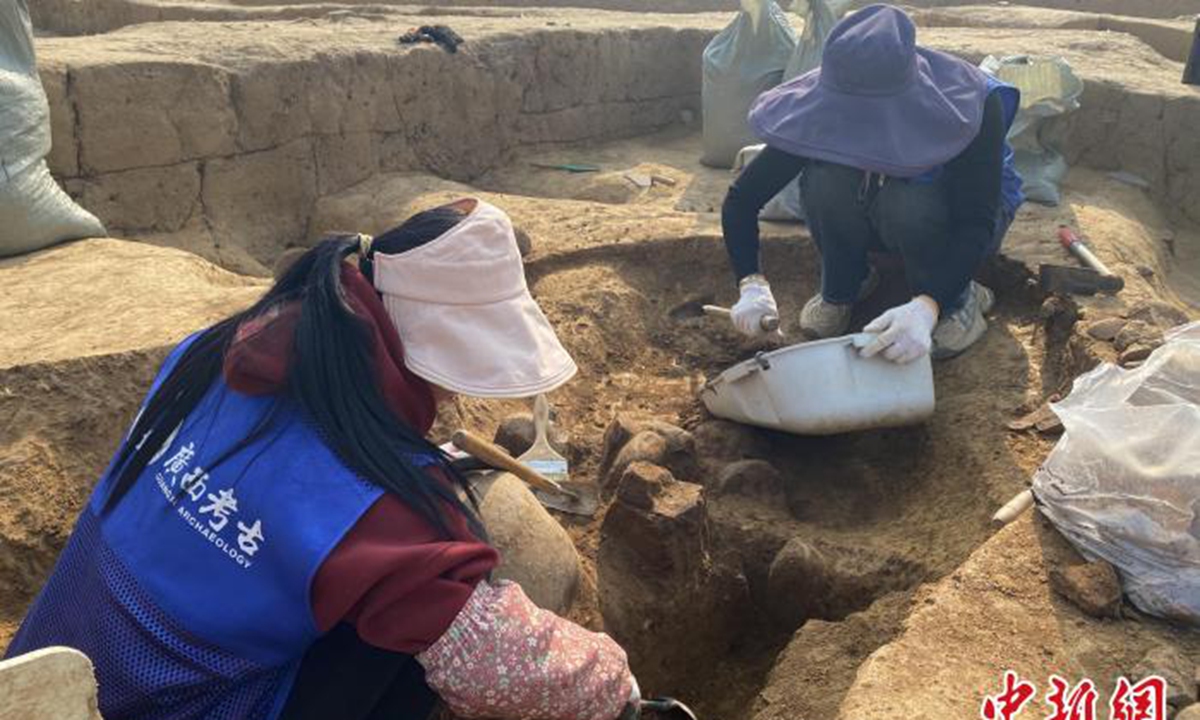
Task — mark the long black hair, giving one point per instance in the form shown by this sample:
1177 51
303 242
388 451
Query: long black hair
330 379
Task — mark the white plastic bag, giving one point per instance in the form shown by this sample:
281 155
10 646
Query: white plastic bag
742 61
1123 483
1049 88
34 211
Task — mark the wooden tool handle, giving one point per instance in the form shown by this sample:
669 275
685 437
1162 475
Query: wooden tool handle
471 443
1013 509
541 421
769 323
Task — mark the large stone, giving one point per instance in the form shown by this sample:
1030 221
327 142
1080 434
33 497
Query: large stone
725 441
628 440
1106 329
1174 667
757 479
1157 314
798 583
1191 712
662 594
642 482
516 435
535 551
1092 587
1137 333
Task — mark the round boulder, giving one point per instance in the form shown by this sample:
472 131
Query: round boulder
516 435
797 584
535 551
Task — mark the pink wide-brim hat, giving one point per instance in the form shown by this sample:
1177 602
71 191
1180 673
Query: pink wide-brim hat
463 309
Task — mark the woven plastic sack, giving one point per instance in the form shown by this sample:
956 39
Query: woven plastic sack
34 211
742 61
1049 88
819 18
1123 483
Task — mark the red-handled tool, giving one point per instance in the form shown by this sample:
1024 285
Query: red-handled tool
1111 283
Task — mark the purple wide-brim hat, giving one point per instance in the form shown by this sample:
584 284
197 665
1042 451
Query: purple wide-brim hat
878 102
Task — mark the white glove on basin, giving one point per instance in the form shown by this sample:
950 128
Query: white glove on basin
755 304
904 333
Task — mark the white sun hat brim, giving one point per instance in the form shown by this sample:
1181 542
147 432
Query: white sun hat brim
462 307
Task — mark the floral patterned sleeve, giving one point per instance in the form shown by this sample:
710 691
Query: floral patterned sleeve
503 657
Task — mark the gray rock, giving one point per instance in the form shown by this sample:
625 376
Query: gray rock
750 478
524 243
1137 332
535 550
1106 329
642 482
797 583
627 440
1174 667
1191 712
1092 587
1158 314
725 441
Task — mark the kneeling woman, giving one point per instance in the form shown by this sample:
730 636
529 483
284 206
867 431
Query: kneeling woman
277 538
899 148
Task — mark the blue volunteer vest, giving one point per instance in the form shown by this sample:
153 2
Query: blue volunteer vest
1010 183
191 596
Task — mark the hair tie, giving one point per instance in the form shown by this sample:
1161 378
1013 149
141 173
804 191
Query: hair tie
364 245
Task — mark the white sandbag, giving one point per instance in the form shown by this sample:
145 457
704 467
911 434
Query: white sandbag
34 211
1049 88
1123 483
819 18
742 61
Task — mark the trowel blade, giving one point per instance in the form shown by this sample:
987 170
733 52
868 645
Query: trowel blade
583 500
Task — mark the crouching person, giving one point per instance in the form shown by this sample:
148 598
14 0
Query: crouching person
276 538
898 148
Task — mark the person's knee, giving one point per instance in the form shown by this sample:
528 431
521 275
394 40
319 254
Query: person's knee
738 197
910 215
824 187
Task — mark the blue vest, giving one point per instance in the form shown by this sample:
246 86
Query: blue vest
192 595
1010 182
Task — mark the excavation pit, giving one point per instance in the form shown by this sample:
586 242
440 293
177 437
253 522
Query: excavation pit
792 576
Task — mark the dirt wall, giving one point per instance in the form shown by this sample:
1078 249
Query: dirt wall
1171 38
1134 8
230 133
1135 115
71 17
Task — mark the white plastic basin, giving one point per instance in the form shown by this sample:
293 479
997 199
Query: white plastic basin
822 388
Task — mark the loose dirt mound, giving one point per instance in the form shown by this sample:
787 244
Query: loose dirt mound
995 613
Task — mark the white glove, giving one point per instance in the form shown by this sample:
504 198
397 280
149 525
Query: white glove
904 333
755 303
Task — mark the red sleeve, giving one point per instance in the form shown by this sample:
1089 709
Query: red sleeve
398 580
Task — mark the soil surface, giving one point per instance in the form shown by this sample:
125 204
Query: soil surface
920 605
